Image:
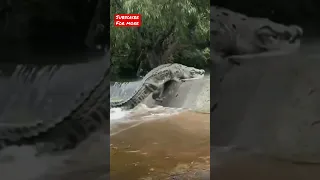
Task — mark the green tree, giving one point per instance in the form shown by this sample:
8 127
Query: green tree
171 31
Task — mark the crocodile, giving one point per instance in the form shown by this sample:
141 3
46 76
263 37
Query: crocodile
59 105
235 37
65 125
154 83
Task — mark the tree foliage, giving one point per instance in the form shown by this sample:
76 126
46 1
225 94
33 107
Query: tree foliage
171 31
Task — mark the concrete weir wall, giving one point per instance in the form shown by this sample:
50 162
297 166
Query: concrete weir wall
192 94
272 104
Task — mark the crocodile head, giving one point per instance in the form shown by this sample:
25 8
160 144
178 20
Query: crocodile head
237 34
269 36
185 72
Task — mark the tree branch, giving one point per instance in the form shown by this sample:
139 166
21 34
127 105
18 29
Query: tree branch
164 36
172 48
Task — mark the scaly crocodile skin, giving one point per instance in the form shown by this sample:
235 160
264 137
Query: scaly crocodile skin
155 81
233 33
89 113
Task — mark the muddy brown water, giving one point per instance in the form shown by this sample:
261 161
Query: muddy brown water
174 147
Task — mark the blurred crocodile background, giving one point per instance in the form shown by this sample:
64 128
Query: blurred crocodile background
236 37
54 69
270 103
33 30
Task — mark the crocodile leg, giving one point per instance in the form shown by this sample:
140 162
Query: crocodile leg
151 86
158 94
178 79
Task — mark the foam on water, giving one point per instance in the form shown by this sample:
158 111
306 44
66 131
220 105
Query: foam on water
118 115
137 116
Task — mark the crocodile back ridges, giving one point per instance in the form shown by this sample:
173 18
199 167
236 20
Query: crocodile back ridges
100 90
155 70
70 132
153 73
33 130
15 132
84 120
233 33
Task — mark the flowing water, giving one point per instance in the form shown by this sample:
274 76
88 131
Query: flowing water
158 142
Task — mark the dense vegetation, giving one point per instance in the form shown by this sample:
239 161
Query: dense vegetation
171 31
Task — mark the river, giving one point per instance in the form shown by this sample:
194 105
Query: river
160 143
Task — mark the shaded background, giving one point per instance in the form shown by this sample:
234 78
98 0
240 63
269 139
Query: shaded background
38 31
272 103
305 13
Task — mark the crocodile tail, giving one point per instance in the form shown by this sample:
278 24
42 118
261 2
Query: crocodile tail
117 104
83 121
140 95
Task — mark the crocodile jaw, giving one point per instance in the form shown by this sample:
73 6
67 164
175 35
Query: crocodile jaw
193 73
263 54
